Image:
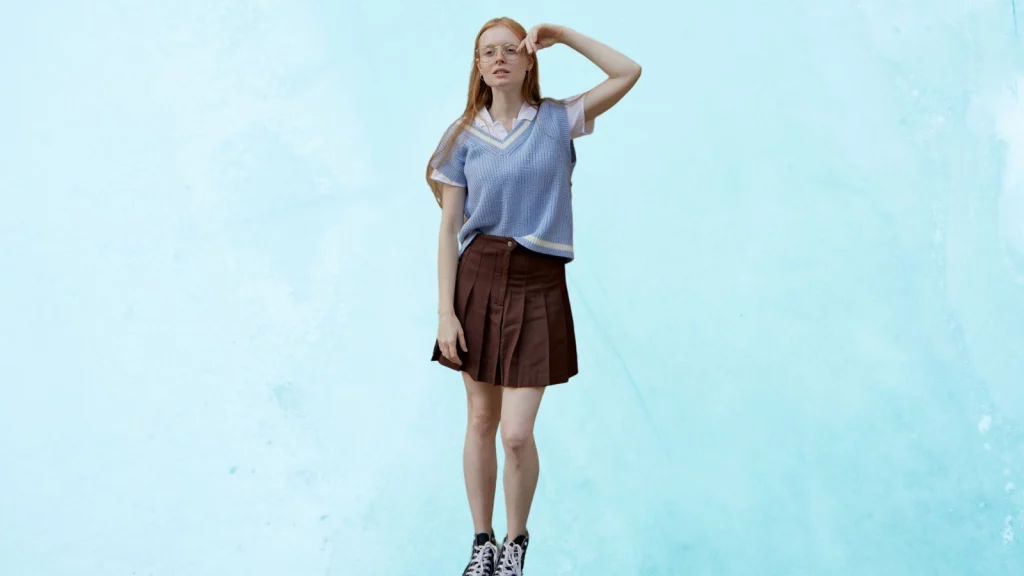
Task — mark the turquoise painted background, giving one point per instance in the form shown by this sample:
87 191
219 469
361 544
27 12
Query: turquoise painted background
799 291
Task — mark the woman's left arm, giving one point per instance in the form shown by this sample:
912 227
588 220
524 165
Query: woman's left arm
622 72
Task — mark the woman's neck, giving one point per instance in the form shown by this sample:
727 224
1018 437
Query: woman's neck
505 106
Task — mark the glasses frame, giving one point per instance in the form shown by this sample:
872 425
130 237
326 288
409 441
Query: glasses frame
510 57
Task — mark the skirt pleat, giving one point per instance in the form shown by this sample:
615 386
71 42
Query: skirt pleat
484 368
467 270
474 324
565 321
512 324
555 341
513 305
533 359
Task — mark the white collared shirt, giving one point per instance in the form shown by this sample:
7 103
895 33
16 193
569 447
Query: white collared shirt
578 126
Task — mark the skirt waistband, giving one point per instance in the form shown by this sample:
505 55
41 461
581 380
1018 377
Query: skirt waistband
492 242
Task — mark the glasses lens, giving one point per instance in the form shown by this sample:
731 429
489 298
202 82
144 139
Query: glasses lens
509 51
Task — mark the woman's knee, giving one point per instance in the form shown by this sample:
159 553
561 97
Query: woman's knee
515 437
483 420
484 405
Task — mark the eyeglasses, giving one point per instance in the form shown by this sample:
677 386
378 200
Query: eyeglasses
509 51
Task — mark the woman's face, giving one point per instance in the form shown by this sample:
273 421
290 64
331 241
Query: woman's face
500 65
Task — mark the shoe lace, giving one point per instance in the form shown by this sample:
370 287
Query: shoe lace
482 560
511 560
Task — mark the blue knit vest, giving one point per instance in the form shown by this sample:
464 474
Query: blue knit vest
519 187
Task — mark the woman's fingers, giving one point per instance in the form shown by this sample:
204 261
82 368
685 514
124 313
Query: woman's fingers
450 338
450 353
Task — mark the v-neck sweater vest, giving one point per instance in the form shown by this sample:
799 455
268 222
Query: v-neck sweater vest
519 186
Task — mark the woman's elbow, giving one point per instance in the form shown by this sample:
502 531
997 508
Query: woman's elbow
635 73
450 225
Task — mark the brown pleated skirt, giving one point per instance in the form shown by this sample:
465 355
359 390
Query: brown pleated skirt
513 305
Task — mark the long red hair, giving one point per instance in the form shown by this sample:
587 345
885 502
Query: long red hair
480 96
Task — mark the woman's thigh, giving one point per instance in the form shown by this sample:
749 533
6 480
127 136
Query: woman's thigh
519 407
483 400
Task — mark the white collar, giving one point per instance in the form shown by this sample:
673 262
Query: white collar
526 112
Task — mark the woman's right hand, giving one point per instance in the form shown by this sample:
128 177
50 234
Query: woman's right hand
450 335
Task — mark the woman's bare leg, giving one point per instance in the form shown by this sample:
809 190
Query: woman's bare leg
522 464
479 457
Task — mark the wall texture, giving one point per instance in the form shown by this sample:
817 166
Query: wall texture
799 291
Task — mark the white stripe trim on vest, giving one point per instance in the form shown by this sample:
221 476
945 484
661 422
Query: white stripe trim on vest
546 244
498 143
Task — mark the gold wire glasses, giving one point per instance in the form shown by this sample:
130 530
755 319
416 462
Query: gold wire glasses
509 51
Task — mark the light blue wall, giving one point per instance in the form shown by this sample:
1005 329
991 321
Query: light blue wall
799 291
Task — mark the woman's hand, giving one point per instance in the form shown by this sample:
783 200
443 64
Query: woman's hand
449 333
541 36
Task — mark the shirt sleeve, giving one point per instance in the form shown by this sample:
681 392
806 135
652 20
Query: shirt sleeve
437 175
452 169
578 126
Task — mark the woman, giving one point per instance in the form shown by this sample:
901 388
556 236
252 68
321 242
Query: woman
501 175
